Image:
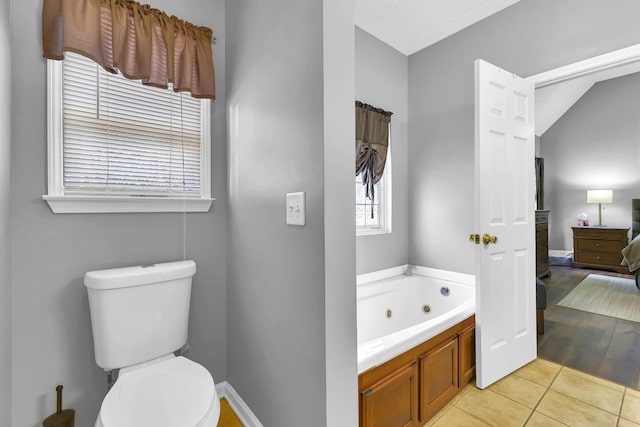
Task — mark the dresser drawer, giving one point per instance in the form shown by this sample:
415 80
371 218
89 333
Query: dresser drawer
600 258
542 255
541 267
599 247
599 233
542 229
602 246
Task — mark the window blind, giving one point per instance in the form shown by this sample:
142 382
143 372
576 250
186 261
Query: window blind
127 138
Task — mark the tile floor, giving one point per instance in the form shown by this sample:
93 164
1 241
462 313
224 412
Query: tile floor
543 393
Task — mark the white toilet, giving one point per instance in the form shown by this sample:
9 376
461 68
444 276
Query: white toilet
139 317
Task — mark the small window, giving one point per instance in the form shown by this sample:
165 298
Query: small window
380 222
116 145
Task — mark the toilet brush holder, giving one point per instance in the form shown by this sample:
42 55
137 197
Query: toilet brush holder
62 418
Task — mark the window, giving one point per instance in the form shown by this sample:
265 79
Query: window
381 221
116 145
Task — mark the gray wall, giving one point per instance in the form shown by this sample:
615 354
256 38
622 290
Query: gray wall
5 215
527 38
341 363
381 80
594 145
51 327
339 231
279 339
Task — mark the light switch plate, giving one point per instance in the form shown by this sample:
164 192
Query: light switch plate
296 208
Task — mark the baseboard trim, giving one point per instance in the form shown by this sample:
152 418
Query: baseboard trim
242 410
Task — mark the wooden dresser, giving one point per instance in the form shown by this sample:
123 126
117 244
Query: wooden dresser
599 247
542 244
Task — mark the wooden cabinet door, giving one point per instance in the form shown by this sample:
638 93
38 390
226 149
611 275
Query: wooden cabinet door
438 378
392 401
467 353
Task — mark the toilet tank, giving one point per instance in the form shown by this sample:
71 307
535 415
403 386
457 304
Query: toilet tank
139 313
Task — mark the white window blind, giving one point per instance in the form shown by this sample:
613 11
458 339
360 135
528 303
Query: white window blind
122 137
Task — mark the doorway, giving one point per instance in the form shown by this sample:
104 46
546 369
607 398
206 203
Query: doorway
599 345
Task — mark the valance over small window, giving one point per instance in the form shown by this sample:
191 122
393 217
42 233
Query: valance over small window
372 143
139 41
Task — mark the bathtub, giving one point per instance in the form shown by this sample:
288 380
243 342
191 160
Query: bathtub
396 312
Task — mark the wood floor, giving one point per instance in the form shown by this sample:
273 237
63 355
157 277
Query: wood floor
598 345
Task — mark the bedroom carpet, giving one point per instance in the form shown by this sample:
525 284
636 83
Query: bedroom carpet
610 296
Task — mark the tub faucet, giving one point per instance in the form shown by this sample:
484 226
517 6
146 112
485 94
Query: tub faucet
409 270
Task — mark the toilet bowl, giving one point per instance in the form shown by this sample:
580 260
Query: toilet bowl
139 319
175 392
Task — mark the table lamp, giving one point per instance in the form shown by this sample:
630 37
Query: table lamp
599 197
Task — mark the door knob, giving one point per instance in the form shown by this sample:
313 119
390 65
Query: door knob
486 239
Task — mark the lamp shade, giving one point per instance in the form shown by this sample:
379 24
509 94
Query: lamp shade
599 196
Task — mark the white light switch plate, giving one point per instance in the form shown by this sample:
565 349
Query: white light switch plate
296 208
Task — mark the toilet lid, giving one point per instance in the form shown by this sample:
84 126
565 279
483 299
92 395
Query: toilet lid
173 393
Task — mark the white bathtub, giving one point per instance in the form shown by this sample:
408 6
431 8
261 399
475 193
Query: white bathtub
390 292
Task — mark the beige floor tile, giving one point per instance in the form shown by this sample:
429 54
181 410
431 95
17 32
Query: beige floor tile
548 363
632 392
594 379
573 412
494 409
584 388
539 420
453 401
627 423
631 407
454 417
463 391
539 371
440 413
521 390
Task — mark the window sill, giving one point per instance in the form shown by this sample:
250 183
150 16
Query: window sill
119 204
371 232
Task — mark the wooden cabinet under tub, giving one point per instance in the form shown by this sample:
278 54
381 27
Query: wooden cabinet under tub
467 354
393 400
438 377
411 388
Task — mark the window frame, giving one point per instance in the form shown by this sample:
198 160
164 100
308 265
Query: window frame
96 202
385 203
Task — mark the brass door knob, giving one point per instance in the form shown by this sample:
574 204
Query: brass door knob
486 239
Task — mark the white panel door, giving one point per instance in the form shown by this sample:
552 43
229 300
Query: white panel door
504 209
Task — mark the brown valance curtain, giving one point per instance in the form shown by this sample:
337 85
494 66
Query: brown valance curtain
372 143
139 41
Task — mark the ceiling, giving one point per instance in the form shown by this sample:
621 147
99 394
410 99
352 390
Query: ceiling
411 25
